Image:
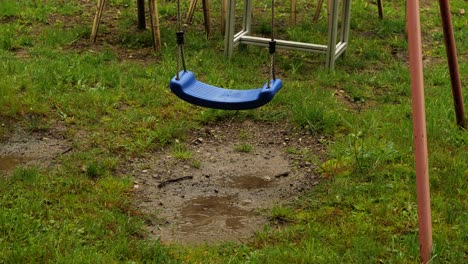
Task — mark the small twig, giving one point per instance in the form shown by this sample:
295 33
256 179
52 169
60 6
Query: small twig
164 183
67 150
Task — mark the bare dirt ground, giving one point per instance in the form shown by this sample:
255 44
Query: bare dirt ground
226 196
237 171
31 148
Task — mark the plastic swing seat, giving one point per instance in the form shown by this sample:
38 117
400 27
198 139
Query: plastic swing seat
189 89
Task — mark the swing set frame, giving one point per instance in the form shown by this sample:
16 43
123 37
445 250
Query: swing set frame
337 37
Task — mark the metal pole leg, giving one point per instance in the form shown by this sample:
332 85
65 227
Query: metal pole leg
229 32
332 32
247 24
346 23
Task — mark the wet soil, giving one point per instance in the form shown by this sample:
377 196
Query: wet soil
221 193
27 148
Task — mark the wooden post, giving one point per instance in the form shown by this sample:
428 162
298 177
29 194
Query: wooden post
190 12
141 14
206 16
292 20
380 7
223 16
153 6
317 11
97 20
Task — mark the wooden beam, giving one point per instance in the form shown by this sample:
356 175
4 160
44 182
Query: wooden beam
97 20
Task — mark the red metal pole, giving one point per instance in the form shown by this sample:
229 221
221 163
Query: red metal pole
419 129
451 50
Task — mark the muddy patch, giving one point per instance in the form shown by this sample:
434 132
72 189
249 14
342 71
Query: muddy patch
220 192
8 162
23 148
203 214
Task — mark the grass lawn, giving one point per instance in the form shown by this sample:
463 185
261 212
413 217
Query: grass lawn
110 101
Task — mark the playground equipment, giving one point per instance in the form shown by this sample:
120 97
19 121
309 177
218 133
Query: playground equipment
206 14
154 20
336 44
188 88
207 20
319 8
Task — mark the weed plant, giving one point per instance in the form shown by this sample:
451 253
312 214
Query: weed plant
243 147
115 92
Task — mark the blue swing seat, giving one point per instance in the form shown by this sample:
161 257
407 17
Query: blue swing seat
189 89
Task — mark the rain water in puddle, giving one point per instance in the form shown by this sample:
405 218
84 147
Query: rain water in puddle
209 214
8 163
222 218
250 182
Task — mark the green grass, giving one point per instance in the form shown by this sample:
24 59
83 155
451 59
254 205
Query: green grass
179 151
67 218
114 108
243 147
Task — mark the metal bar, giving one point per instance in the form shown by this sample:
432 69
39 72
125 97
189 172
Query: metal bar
247 24
332 50
419 129
284 44
239 35
345 24
346 20
332 31
340 49
451 50
229 36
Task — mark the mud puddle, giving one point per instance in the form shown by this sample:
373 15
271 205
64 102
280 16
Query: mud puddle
23 148
9 163
227 196
205 213
250 182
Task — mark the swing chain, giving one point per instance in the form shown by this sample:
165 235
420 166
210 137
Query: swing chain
180 42
272 46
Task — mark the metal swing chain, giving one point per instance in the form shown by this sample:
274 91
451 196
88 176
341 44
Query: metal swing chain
180 42
272 45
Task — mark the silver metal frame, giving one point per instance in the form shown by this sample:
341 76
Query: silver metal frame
336 45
